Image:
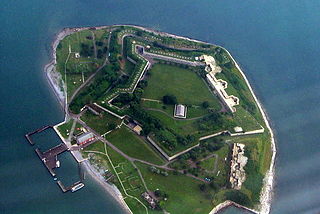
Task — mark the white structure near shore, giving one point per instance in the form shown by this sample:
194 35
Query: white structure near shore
238 161
219 85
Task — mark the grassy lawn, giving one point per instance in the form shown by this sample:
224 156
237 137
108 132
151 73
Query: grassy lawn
185 84
223 166
192 111
183 192
65 128
182 127
100 124
245 120
133 146
208 164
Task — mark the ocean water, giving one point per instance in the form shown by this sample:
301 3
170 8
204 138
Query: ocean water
277 43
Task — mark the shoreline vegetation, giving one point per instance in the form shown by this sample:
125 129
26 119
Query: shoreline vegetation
57 84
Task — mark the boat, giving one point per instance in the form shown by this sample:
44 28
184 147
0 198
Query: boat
77 187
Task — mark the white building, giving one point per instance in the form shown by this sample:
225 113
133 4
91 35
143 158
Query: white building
180 111
219 85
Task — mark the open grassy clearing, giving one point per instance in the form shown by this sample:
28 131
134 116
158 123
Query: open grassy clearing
192 111
222 173
65 128
245 120
208 164
183 192
185 84
100 124
182 127
132 145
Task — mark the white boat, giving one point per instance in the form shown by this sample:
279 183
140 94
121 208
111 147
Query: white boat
77 187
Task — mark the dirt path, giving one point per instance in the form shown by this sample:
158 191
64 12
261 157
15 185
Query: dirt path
94 44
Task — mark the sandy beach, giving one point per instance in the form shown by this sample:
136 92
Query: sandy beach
55 81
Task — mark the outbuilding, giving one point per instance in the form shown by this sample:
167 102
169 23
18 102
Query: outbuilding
180 111
85 138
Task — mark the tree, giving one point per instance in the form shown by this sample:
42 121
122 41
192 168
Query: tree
238 197
112 126
205 104
202 187
169 100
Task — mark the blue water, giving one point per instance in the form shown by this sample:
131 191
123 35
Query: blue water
277 43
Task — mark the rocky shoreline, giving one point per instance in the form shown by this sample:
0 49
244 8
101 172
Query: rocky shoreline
57 84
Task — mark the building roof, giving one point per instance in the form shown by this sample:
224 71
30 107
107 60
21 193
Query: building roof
180 111
84 137
137 129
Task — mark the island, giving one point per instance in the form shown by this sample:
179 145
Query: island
167 124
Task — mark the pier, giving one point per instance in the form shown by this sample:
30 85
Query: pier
28 136
50 159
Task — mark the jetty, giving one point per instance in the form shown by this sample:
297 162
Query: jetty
28 135
50 160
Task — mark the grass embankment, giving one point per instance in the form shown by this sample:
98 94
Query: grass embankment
100 124
208 164
65 128
133 146
185 84
258 151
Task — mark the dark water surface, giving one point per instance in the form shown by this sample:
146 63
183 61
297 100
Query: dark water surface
277 43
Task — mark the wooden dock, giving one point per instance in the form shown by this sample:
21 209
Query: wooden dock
49 158
28 136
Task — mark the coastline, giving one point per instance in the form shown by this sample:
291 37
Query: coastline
57 84
267 189
111 189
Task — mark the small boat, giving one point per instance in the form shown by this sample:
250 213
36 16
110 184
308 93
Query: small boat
77 187
57 164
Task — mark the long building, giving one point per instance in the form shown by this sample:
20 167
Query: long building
219 85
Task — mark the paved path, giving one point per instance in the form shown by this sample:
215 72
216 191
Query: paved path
130 158
166 113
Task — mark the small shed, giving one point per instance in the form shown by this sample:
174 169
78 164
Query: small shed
137 129
180 111
238 129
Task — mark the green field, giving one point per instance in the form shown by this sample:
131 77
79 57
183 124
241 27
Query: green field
208 164
185 84
183 192
65 128
132 145
100 124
